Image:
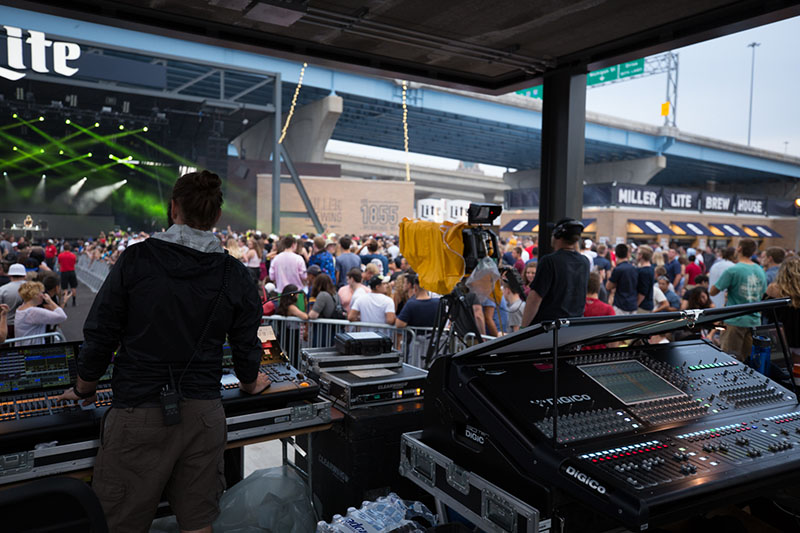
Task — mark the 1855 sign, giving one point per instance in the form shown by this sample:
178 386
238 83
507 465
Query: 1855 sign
38 46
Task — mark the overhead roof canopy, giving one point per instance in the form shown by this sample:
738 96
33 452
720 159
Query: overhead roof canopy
492 47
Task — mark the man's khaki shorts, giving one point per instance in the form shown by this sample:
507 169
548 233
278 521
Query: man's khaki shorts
737 340
140 458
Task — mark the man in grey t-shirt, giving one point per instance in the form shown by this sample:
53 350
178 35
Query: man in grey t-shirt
345 262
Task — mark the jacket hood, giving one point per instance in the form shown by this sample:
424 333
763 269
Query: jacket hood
182 261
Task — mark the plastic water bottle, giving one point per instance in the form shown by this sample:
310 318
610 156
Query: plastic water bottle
388 513
761 354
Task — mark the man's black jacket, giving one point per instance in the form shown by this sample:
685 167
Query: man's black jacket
153 306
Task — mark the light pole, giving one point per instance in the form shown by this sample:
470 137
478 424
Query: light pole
752 45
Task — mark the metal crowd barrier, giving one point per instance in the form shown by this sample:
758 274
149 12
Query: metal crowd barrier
295 334
57 336
91 273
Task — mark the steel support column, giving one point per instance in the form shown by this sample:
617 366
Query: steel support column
563 133
276 158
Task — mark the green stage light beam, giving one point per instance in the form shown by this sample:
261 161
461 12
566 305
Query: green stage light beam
111 137
61 163
168 152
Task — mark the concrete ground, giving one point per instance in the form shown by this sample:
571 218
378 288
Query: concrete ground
256 456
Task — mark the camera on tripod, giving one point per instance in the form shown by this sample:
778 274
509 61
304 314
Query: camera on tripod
479 240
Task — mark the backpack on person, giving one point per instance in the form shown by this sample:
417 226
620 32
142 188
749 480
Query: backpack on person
338 310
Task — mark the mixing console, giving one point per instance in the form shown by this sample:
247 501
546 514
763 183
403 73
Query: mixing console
642 433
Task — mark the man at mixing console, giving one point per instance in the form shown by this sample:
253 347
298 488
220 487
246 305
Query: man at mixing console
168 304
559 288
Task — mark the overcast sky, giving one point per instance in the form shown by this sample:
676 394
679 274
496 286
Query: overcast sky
713 95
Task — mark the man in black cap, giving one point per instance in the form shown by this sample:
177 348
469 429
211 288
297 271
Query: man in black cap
559 288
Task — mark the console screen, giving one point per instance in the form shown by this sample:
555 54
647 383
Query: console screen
630 381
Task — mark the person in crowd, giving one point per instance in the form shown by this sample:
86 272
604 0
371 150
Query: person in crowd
559 288
514 298
419 311
322 258
3 323
66 265
696 298
353 290
182 274
601 263
681 285
50 253
593 306
516 256
674 269
325 298
709 258
787 285
645 280
287 305
745 283
402 291
252 258
672 302
722 264
495 316
393 249
345 261
233 248
375 306
9 294
771 260
311 274
692 271
701 280
370 271
372 253
623 283
288 267
4 278
32 319
528 275
5 245
587 251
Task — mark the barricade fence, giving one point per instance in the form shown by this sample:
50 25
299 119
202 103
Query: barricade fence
294 334
91 273
57 336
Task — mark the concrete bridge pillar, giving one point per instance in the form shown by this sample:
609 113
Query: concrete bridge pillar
311 128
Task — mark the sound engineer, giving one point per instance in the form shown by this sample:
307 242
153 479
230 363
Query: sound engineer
559 288
168 304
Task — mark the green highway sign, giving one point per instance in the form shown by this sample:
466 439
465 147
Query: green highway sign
603 75
631 68
533 92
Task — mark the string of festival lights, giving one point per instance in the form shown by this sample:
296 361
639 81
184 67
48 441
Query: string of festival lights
405 130
294 103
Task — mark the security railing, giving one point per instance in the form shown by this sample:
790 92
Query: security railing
57 336
295 334
91 273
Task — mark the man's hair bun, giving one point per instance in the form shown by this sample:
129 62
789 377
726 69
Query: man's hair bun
199 196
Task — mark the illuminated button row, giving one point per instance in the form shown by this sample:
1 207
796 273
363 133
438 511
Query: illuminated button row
624 451
717 432
782 419
719 364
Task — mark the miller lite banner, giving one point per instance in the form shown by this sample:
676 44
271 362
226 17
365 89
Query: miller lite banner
26 52
680 199
637 196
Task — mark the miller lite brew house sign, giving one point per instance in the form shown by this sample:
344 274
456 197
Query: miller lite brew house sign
32 50
667 198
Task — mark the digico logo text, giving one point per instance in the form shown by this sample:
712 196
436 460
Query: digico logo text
39 45
586 480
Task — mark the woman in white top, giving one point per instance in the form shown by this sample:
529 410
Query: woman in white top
252 258
32 319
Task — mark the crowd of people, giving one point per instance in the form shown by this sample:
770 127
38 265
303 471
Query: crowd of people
629 279
366 279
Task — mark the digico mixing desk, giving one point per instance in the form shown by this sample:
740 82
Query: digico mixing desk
642 435
39 436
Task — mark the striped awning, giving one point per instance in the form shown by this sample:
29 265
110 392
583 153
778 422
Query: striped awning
522 225
693 229
758 231
648 227
726 230
589 225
